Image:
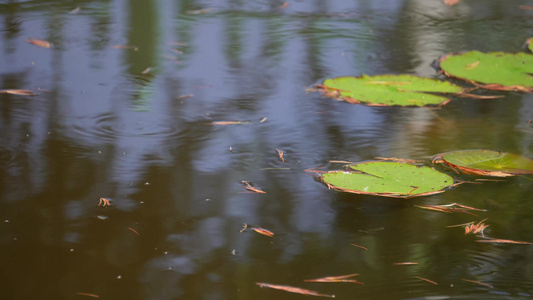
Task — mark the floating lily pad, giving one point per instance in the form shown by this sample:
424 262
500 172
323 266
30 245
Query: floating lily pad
529 44
388 90
389 179
495 70
487 163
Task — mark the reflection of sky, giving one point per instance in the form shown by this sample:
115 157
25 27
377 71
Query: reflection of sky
238 67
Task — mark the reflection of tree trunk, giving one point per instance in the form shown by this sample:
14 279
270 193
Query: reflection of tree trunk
143 34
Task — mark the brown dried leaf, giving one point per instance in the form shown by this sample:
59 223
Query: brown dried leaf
40 43
292 289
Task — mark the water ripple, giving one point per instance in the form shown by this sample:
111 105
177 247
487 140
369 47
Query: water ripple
108 127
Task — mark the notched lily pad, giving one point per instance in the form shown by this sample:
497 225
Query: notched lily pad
487 163
388 90
494 71
389 179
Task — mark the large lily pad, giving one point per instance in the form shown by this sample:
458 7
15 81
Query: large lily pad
388 90
529 44
487 162
389 179
495 70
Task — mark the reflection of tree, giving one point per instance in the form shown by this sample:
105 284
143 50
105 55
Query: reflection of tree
105 130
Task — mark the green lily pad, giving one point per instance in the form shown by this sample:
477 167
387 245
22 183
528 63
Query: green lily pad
389 179
388 90
529 44
495 70
487 162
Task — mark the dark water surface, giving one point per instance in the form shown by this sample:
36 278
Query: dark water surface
101 126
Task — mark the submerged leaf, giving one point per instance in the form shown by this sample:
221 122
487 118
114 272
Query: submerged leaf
388 90
495 71
389 179
487 163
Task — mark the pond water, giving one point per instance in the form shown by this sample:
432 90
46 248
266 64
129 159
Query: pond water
126 100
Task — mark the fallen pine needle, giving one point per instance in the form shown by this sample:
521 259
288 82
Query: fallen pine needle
135 231
244 227
427 280
185 96
292 289
342 278
400 160
502 241
280 154
228 122
18 92
340 162
249 187
362 247
39 43
407 263
477 282
124 47
88 295
451 208
263 231
104 202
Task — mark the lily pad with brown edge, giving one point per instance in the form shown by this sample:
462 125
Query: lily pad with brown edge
493 71
388 179
389 90
487 163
